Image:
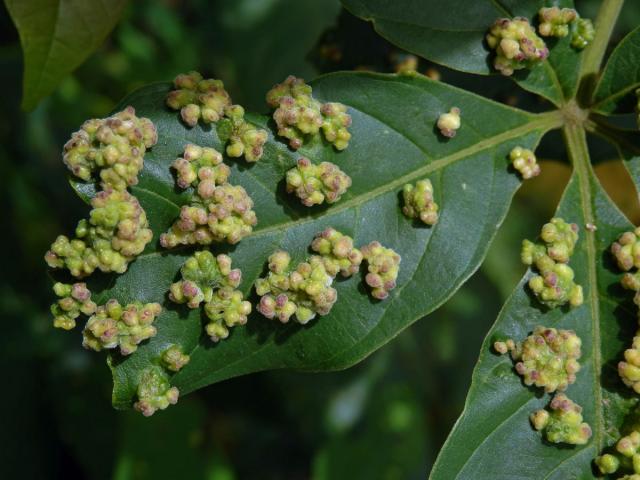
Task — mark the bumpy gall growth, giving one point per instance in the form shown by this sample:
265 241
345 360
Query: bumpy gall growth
117 231
554 285
173 358
583 34
115 326
154 392
383 265
226 309
516 45
315 184
304 291
200 167
337 252
548 358
300 117
449 123
629 370
74 300
554 21
525 162
202 274
563 422
626 457
113 146
198 98
243 138
223 214
419 202
627 250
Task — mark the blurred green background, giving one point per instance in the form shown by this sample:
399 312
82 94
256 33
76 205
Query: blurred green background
383 419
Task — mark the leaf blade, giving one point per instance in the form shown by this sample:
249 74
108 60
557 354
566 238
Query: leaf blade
57 36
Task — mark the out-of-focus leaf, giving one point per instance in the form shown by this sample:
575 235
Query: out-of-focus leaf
621 76
57 36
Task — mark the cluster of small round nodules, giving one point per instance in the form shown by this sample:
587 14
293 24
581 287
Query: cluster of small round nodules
315 184
563 422
300 117
625 456
525 162
554 21
117 231
227 308
225 216
419 202
554 284
406 65
113 146
548 358
113 326
211 280
200 167
449 123
626 251
383 265
74 300
337 252
583 34
154 392
304 291
174 358
516 45
202 274
198 98
243 138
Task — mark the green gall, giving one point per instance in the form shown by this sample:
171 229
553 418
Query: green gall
525 162
383 265
226 309
607 463
117 231
202 274
300 117
516 45
198 98
627 250
173 358
562 423
554 21
221 214
554 285
155 392
337 252
504 347
315 184
407 65
114 326
113 146
304 291
583 34
419 202
449 123
629 369
335 123
548 358
243 137
74 300
200 167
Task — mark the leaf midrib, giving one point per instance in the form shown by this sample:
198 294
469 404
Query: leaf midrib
544 121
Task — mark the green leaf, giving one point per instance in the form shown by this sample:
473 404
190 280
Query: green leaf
57 36
621 76
496 416
454 37
394 142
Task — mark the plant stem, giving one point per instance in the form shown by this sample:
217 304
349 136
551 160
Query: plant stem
575 139
593 55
